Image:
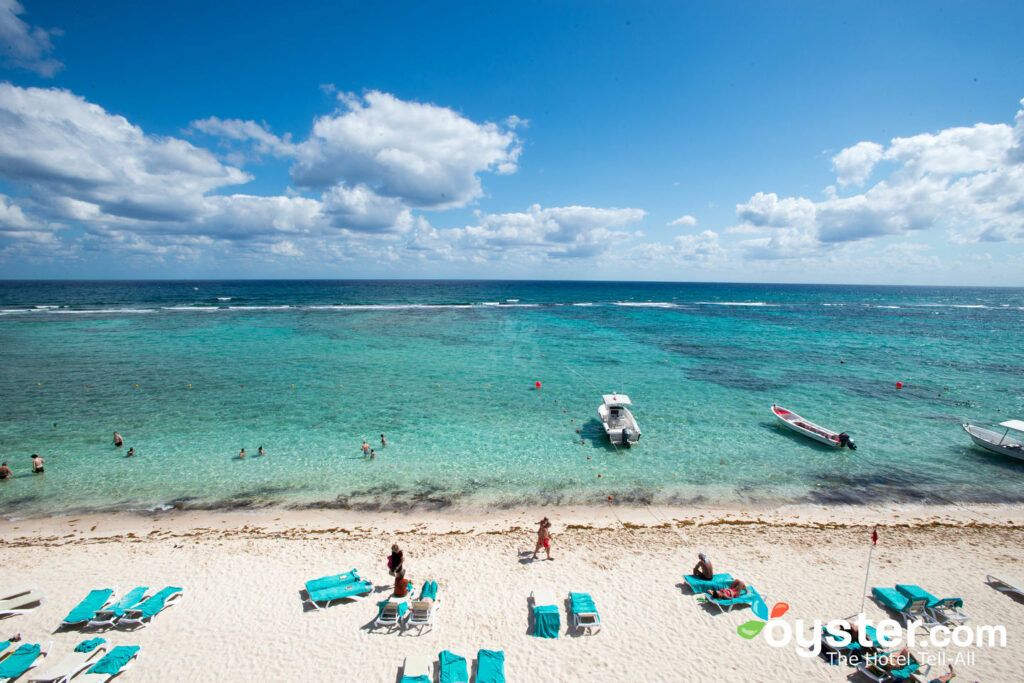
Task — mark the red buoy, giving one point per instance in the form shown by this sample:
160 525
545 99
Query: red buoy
899 385
538 384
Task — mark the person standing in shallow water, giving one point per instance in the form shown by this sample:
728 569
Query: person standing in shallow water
543 538
241 456
383 441
365 447
37 464
118 441
5 471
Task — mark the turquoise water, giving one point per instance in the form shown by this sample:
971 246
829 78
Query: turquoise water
447 371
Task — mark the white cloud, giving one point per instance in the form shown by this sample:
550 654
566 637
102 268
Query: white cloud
854 164
684 221
26 47
968 181
425 155
566 232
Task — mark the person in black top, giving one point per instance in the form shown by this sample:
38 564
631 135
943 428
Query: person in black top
396 560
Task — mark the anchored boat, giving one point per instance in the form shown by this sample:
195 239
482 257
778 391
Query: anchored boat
1003 444
619 423
808 428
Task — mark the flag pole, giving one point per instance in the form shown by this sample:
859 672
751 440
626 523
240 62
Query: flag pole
874 542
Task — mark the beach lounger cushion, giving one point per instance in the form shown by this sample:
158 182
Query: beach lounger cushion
153 604
717 582
129 600
19 661
332 581
891 598
344 591
86 610
913 592
547 621
490 666
114 660
453 668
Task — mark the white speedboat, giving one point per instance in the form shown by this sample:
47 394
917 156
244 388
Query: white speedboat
1002 444
619 423
808 428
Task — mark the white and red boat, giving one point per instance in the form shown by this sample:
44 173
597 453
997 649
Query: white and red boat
809 429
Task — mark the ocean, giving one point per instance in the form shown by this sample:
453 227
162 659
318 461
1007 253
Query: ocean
191 372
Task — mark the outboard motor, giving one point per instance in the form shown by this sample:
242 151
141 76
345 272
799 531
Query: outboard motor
626 434
845 440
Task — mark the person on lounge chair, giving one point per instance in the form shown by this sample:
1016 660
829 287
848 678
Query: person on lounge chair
734 590
703 570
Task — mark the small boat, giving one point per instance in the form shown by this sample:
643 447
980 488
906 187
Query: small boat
619 423
808 428
996 442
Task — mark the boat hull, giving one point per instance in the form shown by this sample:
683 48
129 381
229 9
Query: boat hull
801 426
616 427
990 441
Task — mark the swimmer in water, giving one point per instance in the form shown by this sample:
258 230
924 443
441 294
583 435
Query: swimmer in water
241 456
130 453
37 464
260 451
118 441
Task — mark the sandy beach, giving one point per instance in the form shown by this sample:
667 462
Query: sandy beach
242 617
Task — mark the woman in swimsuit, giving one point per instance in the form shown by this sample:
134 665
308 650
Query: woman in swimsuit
734 590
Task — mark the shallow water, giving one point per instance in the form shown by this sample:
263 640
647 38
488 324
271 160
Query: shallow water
447 370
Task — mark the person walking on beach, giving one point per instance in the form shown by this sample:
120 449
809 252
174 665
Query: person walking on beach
543 538
241 456
703 569
5 471
383 441
118 441
396 560
366 447
37 464
130 453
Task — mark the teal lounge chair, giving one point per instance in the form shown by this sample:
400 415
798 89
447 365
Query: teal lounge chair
717 582
909 608
943 611
27 656
143 613
108 615
584 614
332 581
854 651
417 669
546 620
422 613
20 601
86 610
113 663
390 613
453 668
355 590
745 599
490 666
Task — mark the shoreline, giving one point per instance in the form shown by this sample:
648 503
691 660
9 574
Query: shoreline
62 529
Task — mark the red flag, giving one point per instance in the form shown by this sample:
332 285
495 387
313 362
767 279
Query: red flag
874 536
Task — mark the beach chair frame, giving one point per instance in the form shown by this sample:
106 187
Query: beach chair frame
111 600
746 599
880 675
133 617
103 678
415 666
390 614
588 622
15 603
69 672
1004 586
421 614
44 652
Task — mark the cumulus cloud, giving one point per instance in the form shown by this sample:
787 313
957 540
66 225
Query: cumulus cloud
966 180
24 46
684 221
566 232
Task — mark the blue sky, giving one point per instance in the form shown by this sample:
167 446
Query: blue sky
773 142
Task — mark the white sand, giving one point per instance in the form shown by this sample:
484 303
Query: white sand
242 617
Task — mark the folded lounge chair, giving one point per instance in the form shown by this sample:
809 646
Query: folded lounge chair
717 582
422 613
108 615
143 613
747 598
86 610
85 654
1013 589
584 614
113 663
909 608
337 587
873 670
417 669
21 601
490 666
943 611
27 656
546 620
453 668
